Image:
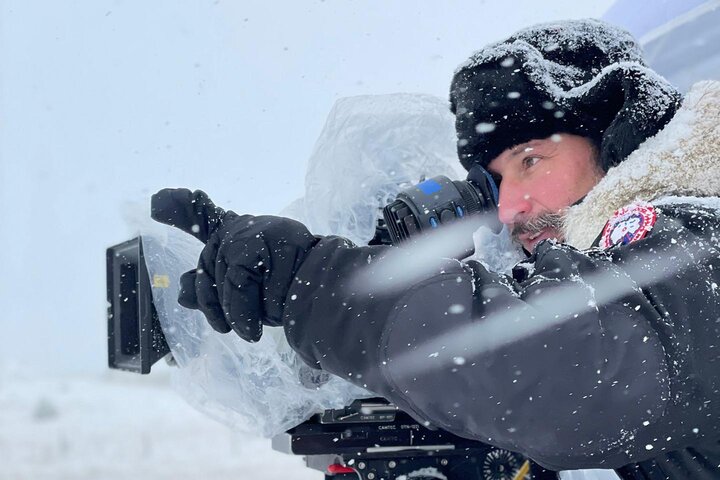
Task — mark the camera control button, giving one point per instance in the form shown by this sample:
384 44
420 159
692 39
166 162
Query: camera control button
447 216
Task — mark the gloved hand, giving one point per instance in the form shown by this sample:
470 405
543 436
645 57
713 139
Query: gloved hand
247 266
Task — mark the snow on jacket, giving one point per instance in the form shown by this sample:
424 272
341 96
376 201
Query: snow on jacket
584 358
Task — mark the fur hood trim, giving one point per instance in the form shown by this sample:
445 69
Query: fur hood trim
682 159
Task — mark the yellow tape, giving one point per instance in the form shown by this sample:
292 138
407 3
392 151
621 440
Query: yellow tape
161 281
524 470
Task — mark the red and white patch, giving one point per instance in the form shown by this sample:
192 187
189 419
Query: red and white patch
628 224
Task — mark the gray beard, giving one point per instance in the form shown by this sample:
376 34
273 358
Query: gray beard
555 220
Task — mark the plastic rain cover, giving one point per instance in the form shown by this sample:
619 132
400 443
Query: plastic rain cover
370 148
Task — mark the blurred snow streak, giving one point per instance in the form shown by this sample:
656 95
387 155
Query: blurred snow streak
564 304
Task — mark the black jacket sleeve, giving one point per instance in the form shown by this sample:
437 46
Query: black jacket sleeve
583 359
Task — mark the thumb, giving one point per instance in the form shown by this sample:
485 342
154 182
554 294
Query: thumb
191 212
187 296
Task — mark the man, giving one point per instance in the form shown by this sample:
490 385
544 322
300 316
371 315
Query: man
602 357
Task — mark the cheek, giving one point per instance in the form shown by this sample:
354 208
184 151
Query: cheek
553 182
556 190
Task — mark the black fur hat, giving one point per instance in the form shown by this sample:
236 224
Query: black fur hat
583 77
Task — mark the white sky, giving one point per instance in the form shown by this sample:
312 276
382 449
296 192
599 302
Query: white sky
103 102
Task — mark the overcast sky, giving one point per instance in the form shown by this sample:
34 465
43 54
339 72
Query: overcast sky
102 102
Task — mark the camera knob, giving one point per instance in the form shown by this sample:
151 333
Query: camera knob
446 216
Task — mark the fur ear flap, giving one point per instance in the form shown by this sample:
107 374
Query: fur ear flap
641 102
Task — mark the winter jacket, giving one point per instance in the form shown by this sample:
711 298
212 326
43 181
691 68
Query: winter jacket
586 357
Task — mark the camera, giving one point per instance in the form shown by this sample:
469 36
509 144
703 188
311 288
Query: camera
370 439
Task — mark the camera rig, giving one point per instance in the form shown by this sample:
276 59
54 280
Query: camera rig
367 440
372 439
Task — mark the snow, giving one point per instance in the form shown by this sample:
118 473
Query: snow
614 42
646 23
95 127
706 202
590 474
424 473
570 86
117 426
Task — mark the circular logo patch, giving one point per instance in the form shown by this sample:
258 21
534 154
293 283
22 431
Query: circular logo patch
628 224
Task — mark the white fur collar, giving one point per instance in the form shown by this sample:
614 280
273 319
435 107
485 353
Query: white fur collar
682 159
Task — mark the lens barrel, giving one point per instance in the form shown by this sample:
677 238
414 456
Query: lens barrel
435 202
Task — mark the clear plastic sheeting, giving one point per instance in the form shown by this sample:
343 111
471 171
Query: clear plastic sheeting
496 251
371 148
262 387
589 475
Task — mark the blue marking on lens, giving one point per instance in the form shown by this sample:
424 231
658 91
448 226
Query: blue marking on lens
428 187
460 212
433 222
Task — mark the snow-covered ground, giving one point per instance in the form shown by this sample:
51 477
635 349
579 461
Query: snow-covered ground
119 426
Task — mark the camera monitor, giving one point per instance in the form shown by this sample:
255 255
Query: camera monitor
135 339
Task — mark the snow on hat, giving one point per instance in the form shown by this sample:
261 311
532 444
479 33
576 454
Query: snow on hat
584 77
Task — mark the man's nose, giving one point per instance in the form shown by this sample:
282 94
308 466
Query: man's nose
514 203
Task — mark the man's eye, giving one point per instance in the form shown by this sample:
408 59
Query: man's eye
530 161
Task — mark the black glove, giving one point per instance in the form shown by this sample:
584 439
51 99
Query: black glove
246 268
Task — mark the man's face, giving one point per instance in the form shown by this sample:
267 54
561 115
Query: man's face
539 180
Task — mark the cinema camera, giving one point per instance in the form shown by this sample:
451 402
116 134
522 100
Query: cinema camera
369 439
